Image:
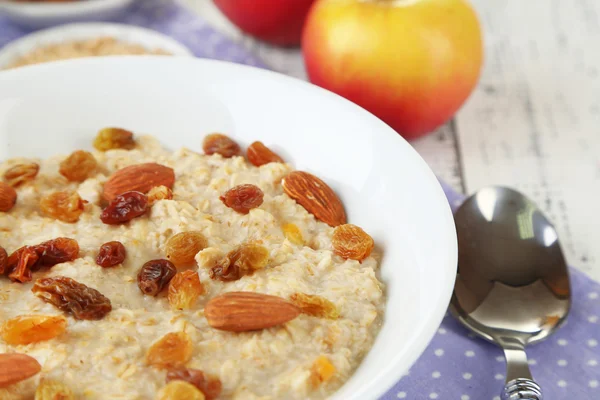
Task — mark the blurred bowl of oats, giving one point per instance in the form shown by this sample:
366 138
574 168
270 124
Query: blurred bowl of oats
88 40
38 14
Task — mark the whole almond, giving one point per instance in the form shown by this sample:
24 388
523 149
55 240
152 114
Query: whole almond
16 367
8 197
315 196
139 178
248 311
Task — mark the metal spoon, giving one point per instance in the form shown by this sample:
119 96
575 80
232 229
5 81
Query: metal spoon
512 286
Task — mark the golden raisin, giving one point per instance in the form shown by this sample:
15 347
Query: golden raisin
209 386
314 305
114 138
21 173
8 197
184 290
351 242
243 198
65 206
179 390
292 233
183 247
244 260
27 329
53 390
171 351
158 193
78 166
220 144
321 371
259 154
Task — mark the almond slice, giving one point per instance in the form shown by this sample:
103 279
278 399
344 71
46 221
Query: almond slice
139 178
315 196
16 367
248 311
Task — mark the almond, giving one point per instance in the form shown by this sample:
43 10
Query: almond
248 311
315 196
258 154
8 197
16 368
140 178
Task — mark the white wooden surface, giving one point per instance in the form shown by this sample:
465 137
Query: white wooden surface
533 123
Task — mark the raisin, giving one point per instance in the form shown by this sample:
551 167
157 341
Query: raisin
314 305
158 193
184 290
8 197
321 371
114 138
209 386
65 206
111 254
27 329
351 242
21 173
124 208
259 154
183 247
155 275
57 251
220 144
243 198
179 390
171 351
72 297
78 166
243 260
292 233
3 261
21 262
53 390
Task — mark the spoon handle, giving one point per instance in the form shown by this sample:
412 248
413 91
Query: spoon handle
519 382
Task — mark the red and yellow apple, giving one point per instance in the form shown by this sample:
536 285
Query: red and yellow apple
278 22
412 63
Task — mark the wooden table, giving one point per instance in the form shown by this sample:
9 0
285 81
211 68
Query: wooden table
533 123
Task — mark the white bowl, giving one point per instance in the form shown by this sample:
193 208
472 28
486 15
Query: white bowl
385 186
146 38
43 15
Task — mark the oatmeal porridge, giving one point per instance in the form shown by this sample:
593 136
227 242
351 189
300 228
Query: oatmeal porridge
135 272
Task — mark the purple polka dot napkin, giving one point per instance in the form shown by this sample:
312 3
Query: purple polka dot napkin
456 365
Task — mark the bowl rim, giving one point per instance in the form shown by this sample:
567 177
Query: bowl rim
391 375
66 9
83 30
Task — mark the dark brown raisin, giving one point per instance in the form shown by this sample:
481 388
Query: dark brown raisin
243 198
111 254
3 260
124 208
72 297
155 275
21 262
259 154
57 251
209 386
21 173
220 144
78 166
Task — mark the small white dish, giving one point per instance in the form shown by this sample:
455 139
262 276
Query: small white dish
127 33
385 186
43 15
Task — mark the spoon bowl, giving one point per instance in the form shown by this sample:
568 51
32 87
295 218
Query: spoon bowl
512 286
